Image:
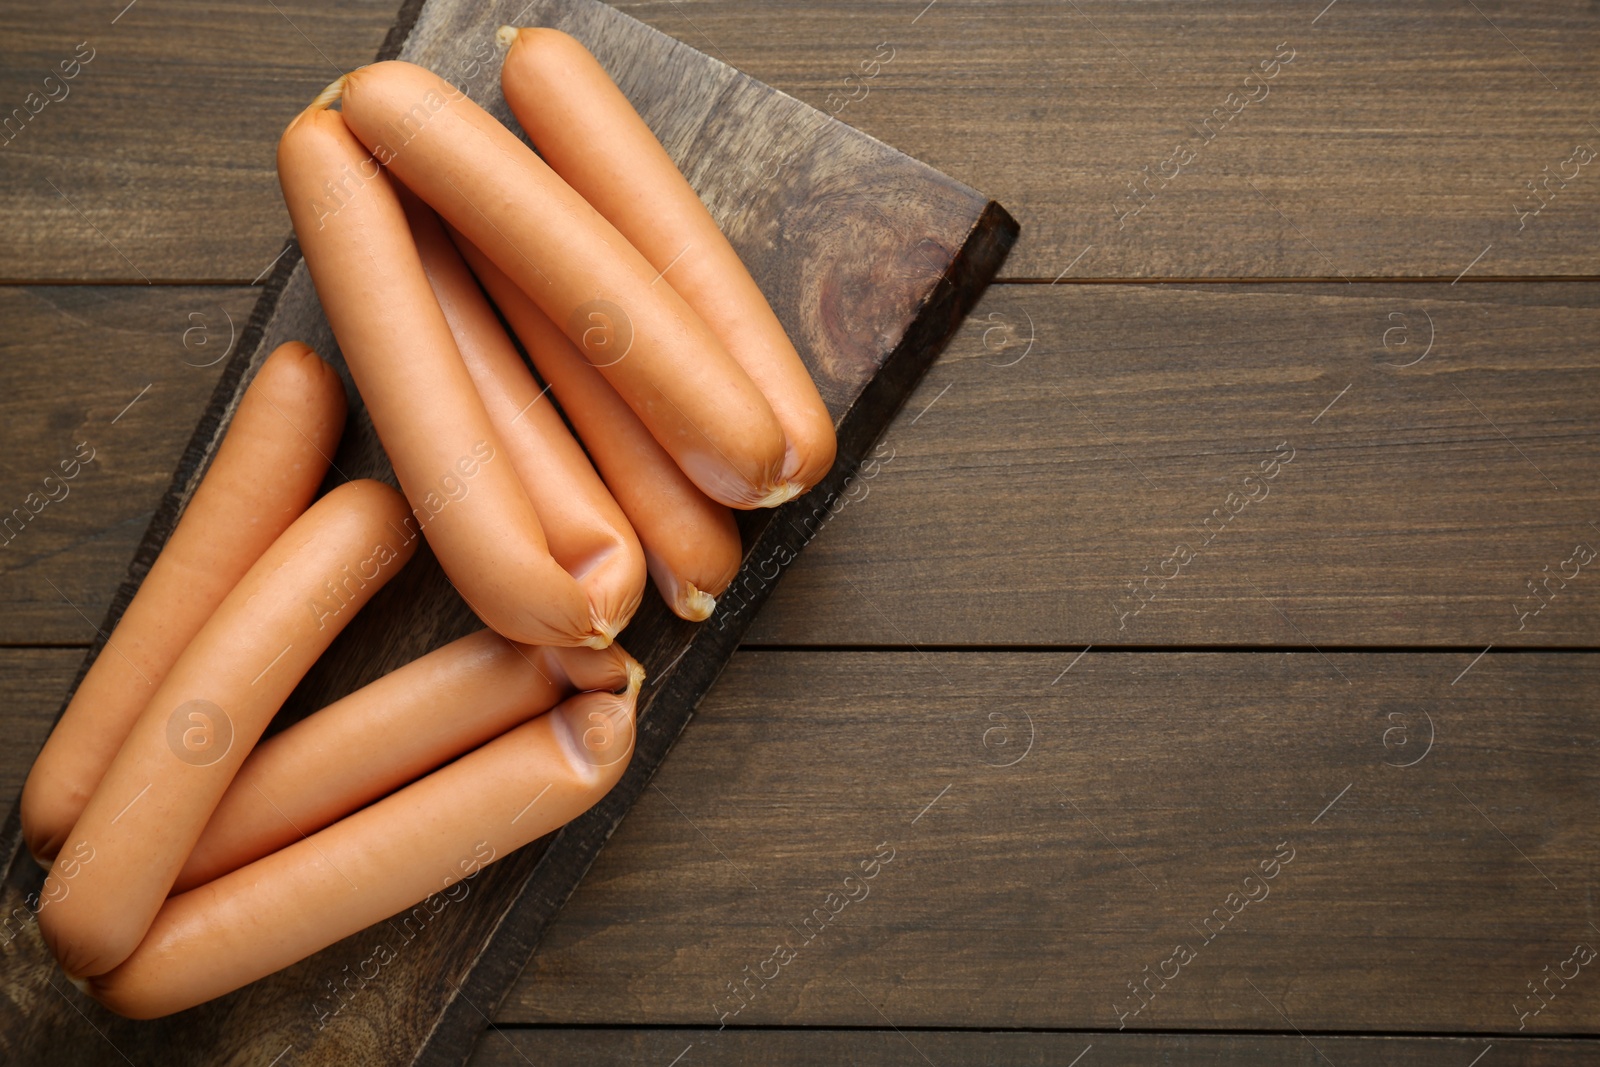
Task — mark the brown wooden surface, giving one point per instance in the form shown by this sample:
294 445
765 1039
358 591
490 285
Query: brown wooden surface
1354 923
35 678
1404 907
1016 507
74 358
1420 501
869 258
1394 144
158 163
1129 415
1027 896
911 1048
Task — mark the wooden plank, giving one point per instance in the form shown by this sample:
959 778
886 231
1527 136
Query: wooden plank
876 260
157 162
1397 142
1024 488
731 722
755 689
1142 790
1005 490
899 1048
119 373
35 679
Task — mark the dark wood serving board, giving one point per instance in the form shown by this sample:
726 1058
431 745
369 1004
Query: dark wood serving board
870 260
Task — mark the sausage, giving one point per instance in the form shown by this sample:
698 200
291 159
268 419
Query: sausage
691 542
658 354
465 495
155 798
384 735
264 474
587 533
590 135
416 849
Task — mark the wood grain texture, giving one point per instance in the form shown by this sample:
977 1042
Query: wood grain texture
73 361
35 679
157 163
870 260
890 1048
1072 437
1053 835
1396 143
1019 910
1405 517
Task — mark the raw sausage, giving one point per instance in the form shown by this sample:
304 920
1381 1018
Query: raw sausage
155 798
590 135
691 542
587 533
464 494
384 735
658 354
264 474
417 849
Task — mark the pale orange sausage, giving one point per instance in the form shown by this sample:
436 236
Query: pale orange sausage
384 735
151 805
416 849
264 474
587 533
464 492
691 542
658 354
590 135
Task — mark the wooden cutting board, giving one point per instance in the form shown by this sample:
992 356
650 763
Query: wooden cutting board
869 258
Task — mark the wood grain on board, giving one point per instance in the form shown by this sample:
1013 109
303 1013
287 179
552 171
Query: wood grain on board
1400 140
869 258
1050 836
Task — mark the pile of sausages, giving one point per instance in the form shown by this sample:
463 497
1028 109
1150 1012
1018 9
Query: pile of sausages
187 860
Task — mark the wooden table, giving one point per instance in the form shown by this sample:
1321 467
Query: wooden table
1004 774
